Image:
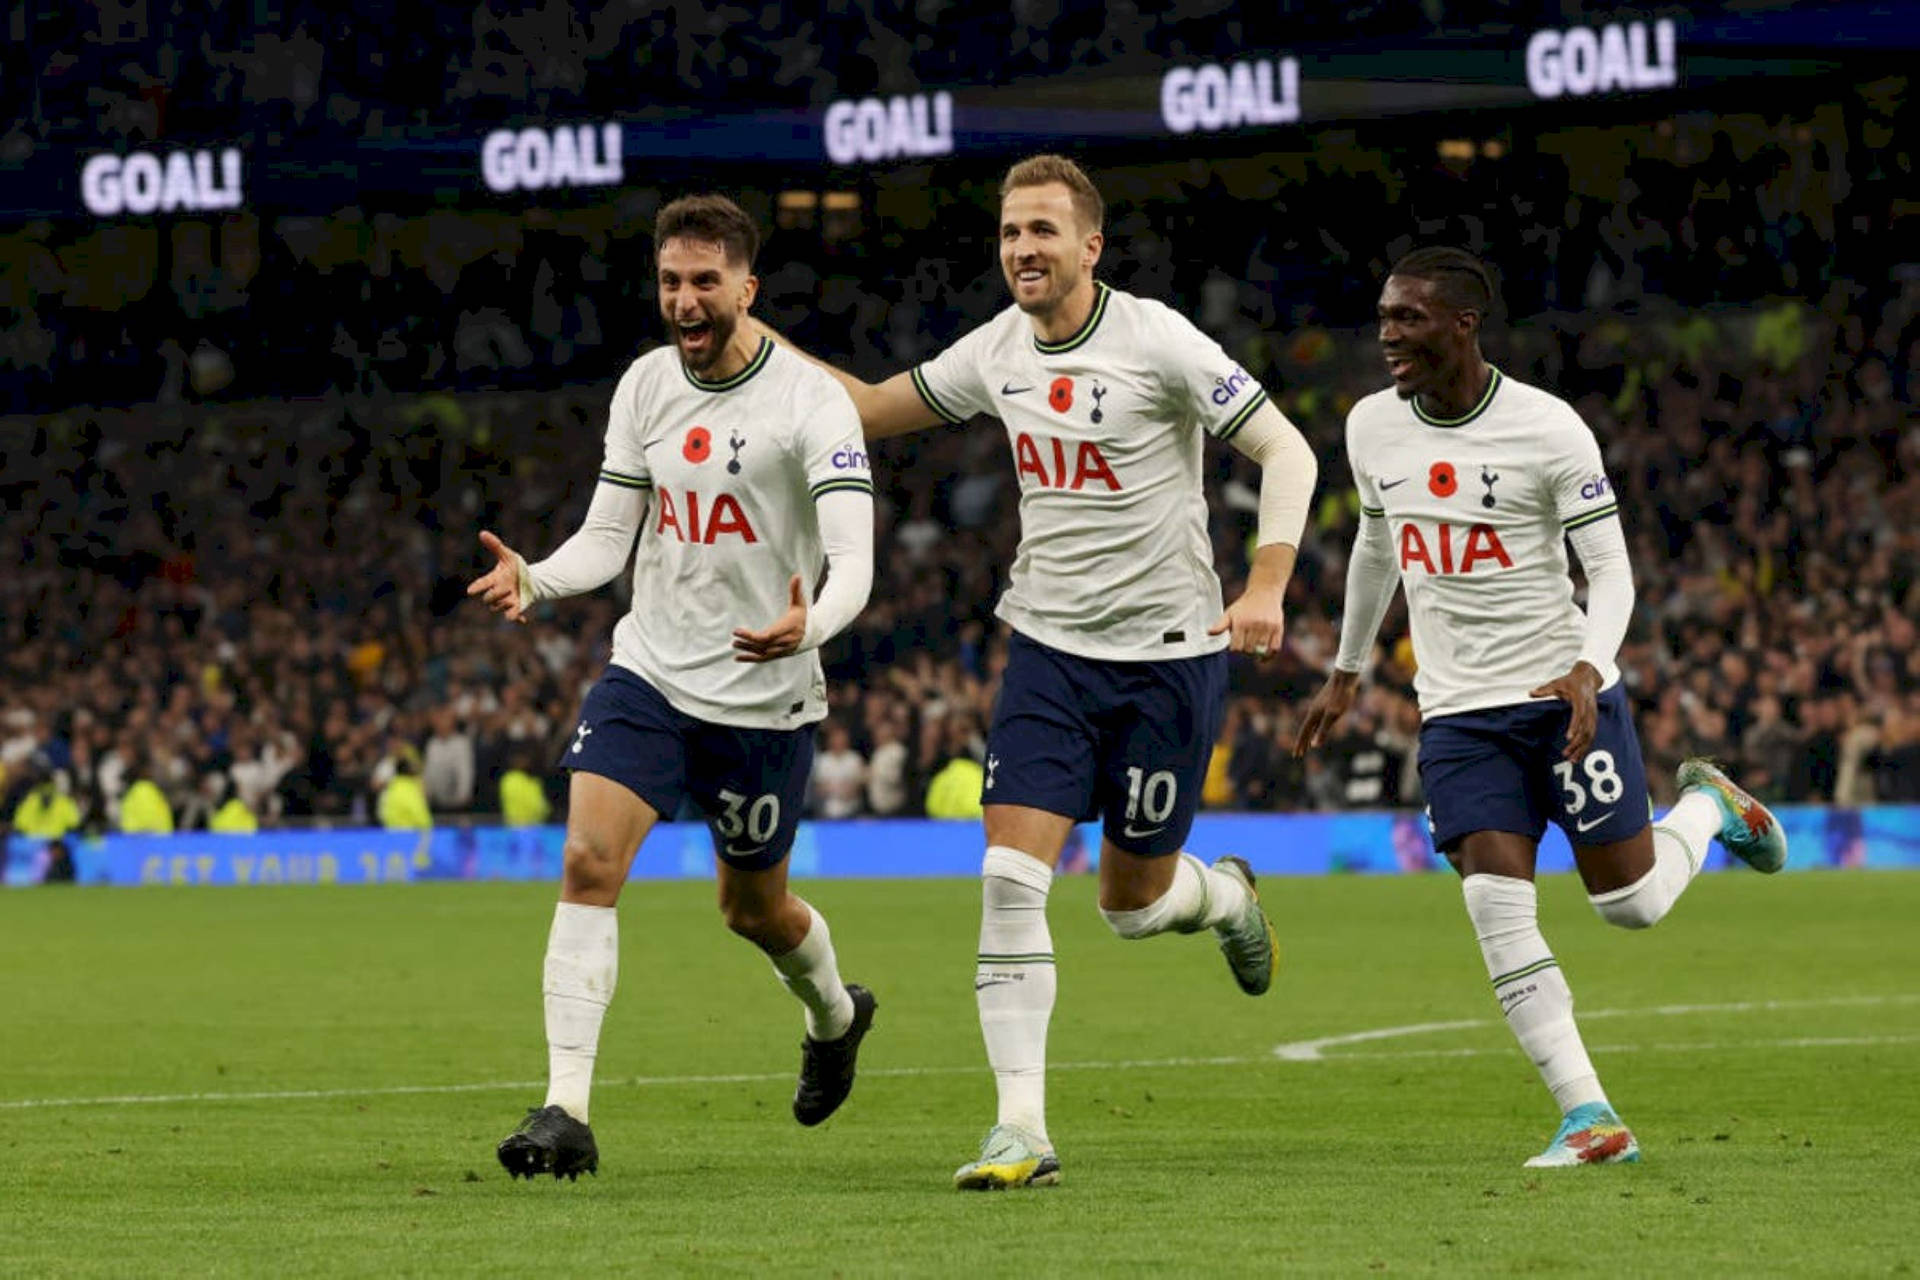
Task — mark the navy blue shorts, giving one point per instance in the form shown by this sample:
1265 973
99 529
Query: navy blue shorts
750 783
1127 742
1501 770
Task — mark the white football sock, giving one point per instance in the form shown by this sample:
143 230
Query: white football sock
1015 982
810 972
1532 991
583 961
1679 849
1199 898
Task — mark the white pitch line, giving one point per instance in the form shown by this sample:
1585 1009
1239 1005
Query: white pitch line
1301 1051
1313 1050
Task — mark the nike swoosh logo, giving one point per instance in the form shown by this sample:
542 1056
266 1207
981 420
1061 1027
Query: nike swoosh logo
1588 826
745 853
991 982
1388 484
1008 389
1131 834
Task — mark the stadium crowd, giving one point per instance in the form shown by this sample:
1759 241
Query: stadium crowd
246 588
268 607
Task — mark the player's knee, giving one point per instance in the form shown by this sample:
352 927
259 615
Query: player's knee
753 920
590 863
1629 908
1142 921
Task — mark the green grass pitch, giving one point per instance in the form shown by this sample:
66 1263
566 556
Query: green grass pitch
310 1081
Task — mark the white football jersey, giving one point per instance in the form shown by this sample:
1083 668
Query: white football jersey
1106 427
733 469
1477 509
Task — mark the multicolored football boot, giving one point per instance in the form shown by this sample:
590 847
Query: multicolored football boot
1748 829
1010 1157
1591 1134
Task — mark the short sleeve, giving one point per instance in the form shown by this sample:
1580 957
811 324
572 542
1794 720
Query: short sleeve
952 383
1577 477
834 451
623 463
1201 383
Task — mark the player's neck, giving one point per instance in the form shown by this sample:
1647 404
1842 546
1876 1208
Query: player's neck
740 351
1460 393
1069 317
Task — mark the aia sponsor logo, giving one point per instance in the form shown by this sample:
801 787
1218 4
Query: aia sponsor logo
1052 464
723 517
1448 549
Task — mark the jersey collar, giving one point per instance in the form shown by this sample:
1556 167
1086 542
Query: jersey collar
1079 339
1486 398
754 366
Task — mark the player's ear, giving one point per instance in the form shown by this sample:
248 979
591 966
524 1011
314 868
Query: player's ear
749 290
1090 254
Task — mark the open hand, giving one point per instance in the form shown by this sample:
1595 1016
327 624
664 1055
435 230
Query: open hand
503 588
781 639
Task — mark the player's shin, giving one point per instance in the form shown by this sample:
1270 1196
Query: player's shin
1014 982
1527 981
812 973
583 961
1200 897
1679 850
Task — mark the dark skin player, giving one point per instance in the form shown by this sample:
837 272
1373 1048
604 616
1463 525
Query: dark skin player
1432 352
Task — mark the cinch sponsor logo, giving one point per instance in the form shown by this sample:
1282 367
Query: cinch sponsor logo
1032 454
1584 60
1211 98
146 183
850 459
581 155
1595 488
1435 550
723 516
1225 389
867 129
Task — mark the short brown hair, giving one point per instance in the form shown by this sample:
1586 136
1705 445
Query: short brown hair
713 220
1037 171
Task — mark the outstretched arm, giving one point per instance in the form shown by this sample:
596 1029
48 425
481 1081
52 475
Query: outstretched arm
1288 470
591 558
889 408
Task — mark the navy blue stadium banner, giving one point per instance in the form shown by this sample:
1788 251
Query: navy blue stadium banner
1277 92
1276 844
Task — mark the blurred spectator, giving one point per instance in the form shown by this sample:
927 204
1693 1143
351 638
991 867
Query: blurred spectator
144 809
233 818
403 800
46 812
523 801
447 772
839 775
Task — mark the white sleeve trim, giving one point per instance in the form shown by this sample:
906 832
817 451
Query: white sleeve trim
1602 548
595 555
1371 582
1288 472
846 533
